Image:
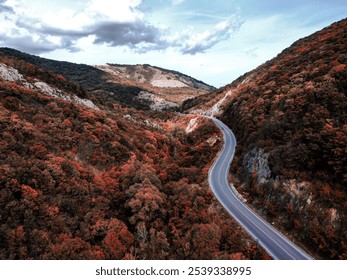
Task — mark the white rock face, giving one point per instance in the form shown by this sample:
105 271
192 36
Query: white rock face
157 103
144 122
168 84
193 124
146 74
215 110
86 103
212 140
45 88
166 80
10 74
108 69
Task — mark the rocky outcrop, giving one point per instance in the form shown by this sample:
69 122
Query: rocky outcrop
256 163
157 103
9 74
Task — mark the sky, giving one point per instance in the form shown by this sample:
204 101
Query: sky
213 41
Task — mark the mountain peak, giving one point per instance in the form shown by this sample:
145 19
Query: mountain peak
154 76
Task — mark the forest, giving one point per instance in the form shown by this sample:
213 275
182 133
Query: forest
119 181
82 183
294 108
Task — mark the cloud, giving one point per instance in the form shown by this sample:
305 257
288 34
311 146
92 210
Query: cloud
34 46
4 8
109 22
116 23
120 11
192 43
130 34
126 34
177 2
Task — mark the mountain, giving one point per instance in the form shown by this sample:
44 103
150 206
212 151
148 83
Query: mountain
164 89
84 174
155 76
138 86
96 164
290 120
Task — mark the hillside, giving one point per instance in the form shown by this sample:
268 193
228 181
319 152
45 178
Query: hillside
91 156
164 89
155 76
290 120
84 177
141 87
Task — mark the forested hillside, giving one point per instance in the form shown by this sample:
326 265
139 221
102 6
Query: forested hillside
290 120
88 170
83 177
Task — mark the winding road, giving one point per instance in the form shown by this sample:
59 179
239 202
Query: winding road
275 243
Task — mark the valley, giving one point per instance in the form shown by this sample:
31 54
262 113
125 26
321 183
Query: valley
112 161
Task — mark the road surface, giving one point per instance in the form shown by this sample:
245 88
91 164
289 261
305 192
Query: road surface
275 243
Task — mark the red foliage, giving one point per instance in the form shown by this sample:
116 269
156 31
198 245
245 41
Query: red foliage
77 183
294 108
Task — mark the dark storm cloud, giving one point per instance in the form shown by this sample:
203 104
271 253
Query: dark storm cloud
126 34
68 38
41 44
33 27
131 34
26 43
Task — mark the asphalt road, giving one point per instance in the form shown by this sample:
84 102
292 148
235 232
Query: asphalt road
275 243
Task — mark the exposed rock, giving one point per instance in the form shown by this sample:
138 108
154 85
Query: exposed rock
295 187
334 216
238 195
45 88
143 122
49 90
212 140
10 74
193 124
156 76
168 83
215 109
256 162
156 103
